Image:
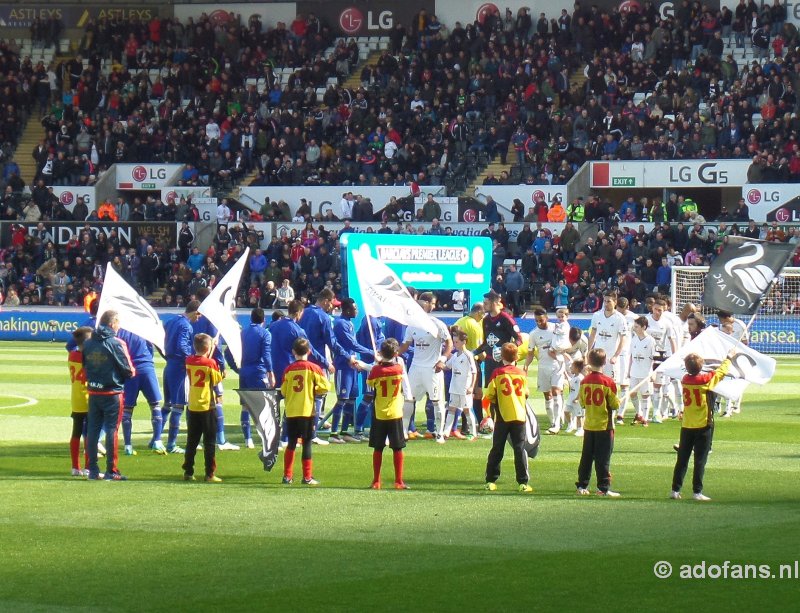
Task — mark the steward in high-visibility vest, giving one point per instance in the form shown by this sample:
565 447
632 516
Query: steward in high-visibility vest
688 209
576 211
556 212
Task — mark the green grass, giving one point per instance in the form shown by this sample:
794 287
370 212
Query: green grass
157 543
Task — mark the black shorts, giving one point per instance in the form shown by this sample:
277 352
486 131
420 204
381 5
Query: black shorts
382 428
300 427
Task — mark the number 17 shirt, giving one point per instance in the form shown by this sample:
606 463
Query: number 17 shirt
508 389
387 381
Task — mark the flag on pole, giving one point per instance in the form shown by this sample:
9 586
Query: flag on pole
135 313
740 276
263 407
749 366
384 294
220 307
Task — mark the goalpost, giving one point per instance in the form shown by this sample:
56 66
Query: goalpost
776 328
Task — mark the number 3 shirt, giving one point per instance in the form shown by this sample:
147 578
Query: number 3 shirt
508 389
203 375
598 397
387 381
302 380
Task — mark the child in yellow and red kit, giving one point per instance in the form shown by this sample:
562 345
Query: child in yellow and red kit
204 375
79 400
386 378
303 381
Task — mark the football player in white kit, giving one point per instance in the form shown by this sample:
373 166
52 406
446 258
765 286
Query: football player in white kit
663 332
737 329
673 390
430 356
624 358
642 350
551 371
462 383
609 331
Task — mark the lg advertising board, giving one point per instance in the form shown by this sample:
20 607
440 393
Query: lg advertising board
146 177
68 196
374 18
669 174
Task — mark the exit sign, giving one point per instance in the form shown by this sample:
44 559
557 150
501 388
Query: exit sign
623 182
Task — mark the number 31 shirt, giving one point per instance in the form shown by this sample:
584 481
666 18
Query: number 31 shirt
508 389
302 380
203 375
387 381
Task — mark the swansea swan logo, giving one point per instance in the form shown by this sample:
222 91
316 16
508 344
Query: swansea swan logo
754 279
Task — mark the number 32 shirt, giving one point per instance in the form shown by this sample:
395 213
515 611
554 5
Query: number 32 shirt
508 389
203 374
302 380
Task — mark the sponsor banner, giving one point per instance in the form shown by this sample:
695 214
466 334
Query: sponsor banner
146 176
220 14
322 199
773 201
504 197
669 173
69 195
374 18
74 15
60 232
176 192
468 11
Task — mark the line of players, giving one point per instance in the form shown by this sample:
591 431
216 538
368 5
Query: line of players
635 346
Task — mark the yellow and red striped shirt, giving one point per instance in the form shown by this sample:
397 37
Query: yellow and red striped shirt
302 380
387 381
508 389
77 376
696 407
598 397
203 375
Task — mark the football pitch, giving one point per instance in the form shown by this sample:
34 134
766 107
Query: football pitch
158 543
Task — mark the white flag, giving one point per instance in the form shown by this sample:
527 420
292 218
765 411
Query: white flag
263 406
220 307
385 295
749 366
135 313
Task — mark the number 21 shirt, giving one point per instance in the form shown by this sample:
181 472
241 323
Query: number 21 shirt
302 380
508 389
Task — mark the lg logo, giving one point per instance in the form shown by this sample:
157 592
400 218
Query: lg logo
470 216
351 20
139 173
537 195
706 173
754 196
485 10
66 198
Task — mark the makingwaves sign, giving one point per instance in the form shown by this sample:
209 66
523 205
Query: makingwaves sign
773 201
129 233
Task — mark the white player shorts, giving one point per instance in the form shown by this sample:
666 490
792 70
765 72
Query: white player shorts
645 390
574 408
461 402
550 375
425 381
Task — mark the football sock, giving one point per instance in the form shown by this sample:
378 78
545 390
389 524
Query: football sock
361 413
548 406
174 426
449 422
245 421
441 409
307 469
377 457
477 408
220 423
657 404
471 423
398 466
558 411
645 408
337 417
408 416
430 416
75 452
127 425
288 462
623 403
347 414
456 422
157 421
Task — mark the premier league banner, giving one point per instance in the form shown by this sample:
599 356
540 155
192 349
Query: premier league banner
743 272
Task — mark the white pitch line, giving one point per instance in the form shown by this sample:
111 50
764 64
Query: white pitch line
29 402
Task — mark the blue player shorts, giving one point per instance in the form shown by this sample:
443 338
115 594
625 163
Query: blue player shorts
175 382
145 382
346 383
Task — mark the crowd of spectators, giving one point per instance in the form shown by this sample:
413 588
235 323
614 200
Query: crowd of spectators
441 99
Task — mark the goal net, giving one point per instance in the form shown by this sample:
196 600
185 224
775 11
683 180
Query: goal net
776 328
